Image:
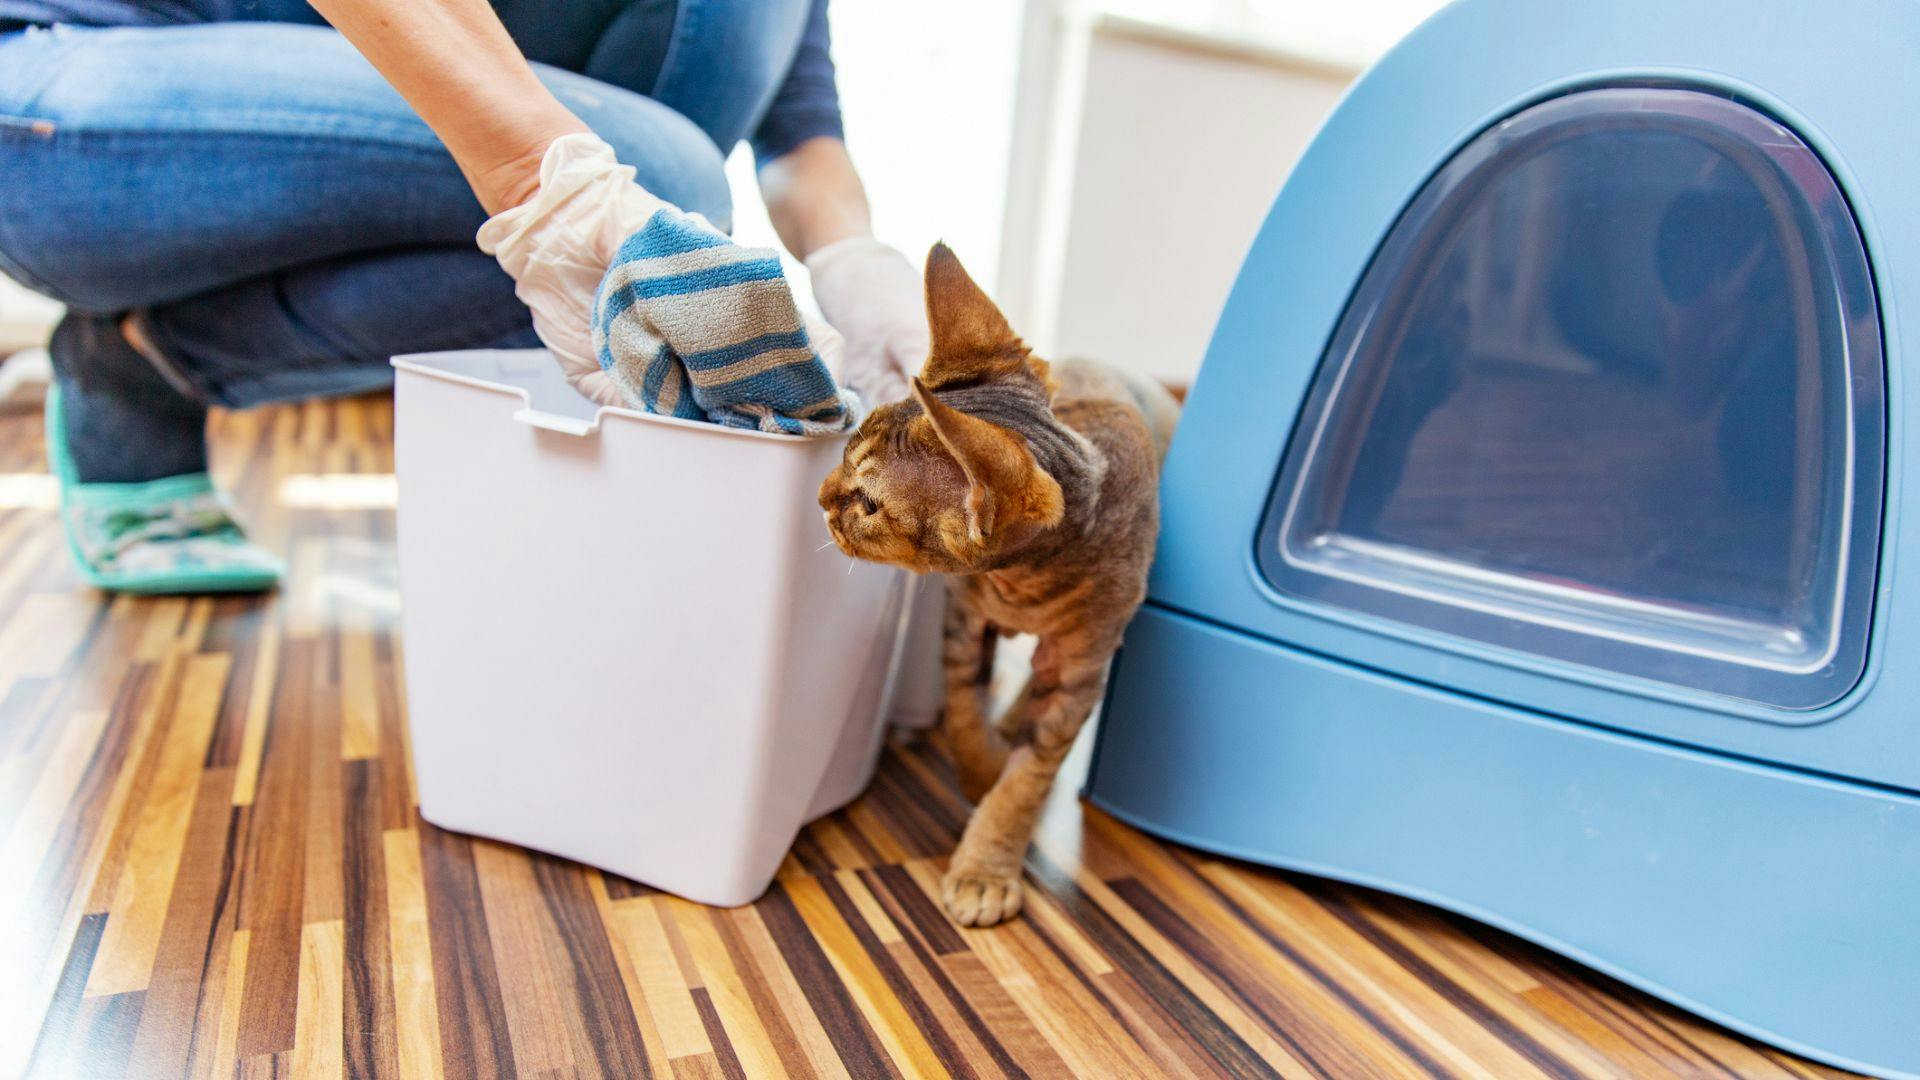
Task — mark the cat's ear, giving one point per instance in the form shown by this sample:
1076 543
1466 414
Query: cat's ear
972 342
1005 485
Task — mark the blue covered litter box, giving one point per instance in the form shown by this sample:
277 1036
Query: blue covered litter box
1531 540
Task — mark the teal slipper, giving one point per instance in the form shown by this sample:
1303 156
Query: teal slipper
172 535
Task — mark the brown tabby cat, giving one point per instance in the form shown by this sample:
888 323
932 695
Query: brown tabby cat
1035 487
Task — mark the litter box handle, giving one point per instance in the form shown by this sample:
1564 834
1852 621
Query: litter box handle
565 425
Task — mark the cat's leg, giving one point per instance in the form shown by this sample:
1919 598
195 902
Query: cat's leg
1016 724
982 884
966 657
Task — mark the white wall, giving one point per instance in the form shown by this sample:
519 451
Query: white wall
1149 139
1175 144
1181 151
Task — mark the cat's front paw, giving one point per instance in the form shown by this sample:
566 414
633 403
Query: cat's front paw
974 898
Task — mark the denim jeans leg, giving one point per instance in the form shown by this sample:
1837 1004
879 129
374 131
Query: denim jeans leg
717 62
124 422
726 62
332 326
569 35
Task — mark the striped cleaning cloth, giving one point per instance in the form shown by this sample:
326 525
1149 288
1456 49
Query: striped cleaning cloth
689 324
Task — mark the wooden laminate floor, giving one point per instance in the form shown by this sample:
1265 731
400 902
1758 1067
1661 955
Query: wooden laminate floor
212 866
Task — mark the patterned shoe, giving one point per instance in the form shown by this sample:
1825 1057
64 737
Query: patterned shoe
172 535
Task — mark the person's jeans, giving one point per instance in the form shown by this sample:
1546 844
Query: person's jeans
281 220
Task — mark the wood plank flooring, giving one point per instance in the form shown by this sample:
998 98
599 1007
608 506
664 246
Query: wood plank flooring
212 867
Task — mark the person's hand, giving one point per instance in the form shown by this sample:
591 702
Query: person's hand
871 294
557 245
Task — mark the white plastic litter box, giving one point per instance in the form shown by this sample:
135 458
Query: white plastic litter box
625 642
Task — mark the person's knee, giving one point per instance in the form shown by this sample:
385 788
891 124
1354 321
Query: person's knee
676 161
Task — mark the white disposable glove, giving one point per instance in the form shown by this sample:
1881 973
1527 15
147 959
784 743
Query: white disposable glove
872 295
558 244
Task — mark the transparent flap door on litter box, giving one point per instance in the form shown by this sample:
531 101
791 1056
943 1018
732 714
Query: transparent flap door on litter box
1610 392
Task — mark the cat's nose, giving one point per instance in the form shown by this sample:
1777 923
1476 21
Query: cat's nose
834 532
831 493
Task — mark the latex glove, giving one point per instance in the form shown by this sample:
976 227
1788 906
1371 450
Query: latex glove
872 295
557 245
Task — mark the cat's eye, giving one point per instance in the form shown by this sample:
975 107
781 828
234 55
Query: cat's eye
866 502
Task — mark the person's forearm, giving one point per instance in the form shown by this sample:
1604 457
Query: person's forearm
814 197
455 64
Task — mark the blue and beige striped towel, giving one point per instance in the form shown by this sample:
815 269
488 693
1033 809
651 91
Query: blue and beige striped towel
687 323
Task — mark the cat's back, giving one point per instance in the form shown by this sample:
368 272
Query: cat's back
1085 390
